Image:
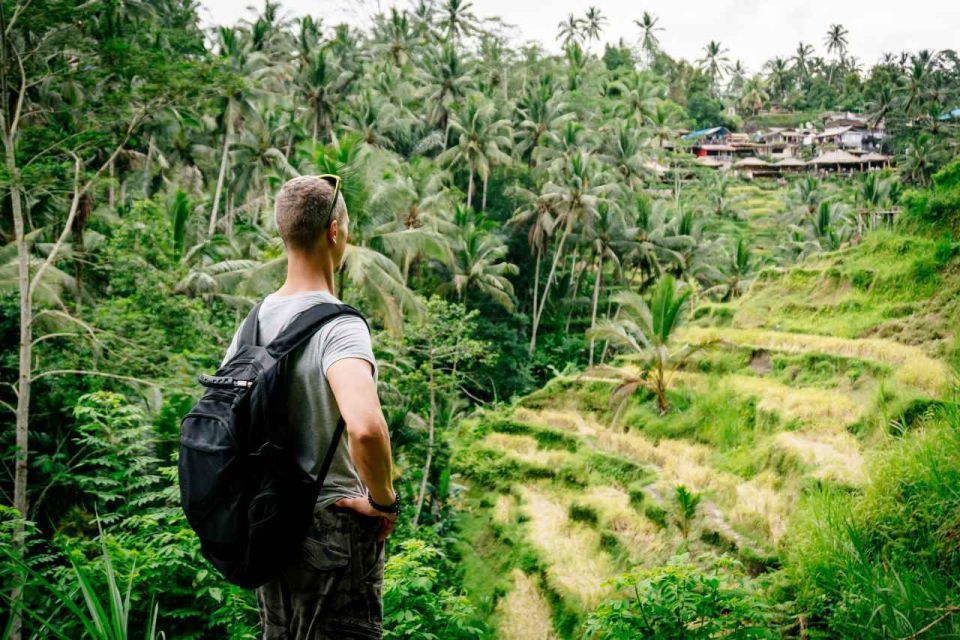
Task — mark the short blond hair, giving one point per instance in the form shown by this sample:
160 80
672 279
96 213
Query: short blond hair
301 209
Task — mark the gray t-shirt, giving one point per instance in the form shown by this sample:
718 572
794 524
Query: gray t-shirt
312 406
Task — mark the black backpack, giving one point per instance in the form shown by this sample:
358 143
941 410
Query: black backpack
241 488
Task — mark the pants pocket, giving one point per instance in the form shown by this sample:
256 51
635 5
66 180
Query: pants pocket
326 547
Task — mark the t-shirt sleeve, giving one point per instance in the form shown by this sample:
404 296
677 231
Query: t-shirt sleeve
232 349
348 337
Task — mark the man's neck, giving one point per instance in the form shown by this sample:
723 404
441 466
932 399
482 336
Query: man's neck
307 273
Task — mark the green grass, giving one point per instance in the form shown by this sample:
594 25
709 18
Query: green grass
886 564
817 431
717 417
852 293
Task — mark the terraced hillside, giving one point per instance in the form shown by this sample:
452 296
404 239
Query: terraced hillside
814 371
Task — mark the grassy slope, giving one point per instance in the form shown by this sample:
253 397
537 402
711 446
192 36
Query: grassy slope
816 364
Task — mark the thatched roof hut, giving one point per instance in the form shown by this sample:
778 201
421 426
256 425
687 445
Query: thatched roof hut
711 162
836 158
751 163
875 159
791 163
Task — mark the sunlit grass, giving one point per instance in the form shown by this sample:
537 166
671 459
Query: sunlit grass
524 613
525 449
568 420
645 543
913 366
504 510
577 568
834 456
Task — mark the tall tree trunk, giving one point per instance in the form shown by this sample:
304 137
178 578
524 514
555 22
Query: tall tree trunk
536 279
23 374
606 343
111 196
146 169
224 161
596 298
546 289
430 437
316 123
230 214
470 188
574 287
483 202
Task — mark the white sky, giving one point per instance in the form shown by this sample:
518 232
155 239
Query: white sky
753 30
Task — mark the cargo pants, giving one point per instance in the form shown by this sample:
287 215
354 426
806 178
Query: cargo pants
334 589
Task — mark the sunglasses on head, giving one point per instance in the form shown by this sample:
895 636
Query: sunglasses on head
334 180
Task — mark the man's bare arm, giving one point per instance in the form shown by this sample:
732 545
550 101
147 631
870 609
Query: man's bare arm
351 380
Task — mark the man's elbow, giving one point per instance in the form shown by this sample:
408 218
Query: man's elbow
367 428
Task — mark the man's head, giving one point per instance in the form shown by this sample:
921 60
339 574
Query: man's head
306 223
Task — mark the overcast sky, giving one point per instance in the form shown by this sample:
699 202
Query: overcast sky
753 30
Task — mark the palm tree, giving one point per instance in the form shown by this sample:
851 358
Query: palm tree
807 194
237 101
626 152
448 81
921 159
687 503
540 114
481 138
640 93
715 61
479 262
665 120
593 24
918 77
779 77
720 200
409 215
648 38
801 61
323 82
457 19
649 332
256 158
827 230
574 192
659 242
754 94
836 42
738 73
395 37
534 210
570 31
607 240
732 276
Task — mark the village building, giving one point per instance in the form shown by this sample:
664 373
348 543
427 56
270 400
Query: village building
848 143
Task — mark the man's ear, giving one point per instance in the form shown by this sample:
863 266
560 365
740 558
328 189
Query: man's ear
333 231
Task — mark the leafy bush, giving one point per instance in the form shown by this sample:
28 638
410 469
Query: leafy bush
417 603
887 564
679 600
939 206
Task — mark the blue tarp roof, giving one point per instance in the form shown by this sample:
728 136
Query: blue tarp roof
951 115
693 135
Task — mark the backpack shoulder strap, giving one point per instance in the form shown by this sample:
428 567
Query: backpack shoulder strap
307 323
250 327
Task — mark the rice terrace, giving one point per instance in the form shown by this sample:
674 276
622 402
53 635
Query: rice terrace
664 305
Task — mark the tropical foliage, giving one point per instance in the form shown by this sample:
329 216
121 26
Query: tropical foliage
516 215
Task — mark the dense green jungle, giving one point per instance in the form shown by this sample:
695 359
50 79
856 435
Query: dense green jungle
630 394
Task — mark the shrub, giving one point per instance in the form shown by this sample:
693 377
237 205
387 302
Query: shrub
886 564
583 513
417 604
680 600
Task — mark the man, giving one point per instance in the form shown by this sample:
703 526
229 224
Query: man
334 589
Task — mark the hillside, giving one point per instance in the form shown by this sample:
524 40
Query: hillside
823 373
